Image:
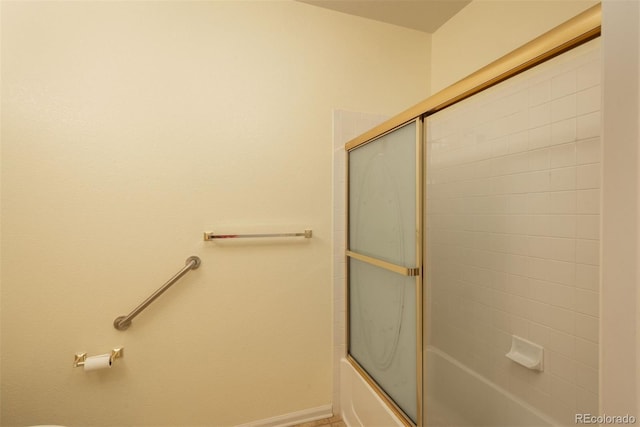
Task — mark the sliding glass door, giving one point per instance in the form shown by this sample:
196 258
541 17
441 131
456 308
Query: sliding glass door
384 261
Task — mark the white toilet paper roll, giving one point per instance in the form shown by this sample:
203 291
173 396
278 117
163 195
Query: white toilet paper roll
93 363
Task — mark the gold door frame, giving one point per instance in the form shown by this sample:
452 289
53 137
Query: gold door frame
574 32
578 30
398 269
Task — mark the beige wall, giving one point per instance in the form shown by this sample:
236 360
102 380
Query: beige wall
620 347
485 30
129 129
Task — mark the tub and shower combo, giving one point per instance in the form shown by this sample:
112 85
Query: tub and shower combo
472 247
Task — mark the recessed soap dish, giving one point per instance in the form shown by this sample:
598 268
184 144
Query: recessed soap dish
528 354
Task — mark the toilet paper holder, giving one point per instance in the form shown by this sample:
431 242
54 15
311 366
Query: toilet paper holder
80 358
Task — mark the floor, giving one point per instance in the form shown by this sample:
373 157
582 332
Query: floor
334 421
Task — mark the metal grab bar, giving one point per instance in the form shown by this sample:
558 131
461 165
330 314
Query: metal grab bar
307 234
122 323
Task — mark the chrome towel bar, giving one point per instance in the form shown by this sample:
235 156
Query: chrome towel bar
122 323
307 234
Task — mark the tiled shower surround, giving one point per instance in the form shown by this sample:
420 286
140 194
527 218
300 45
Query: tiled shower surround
513 214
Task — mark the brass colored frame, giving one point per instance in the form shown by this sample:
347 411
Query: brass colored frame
573 33
420 176
405 271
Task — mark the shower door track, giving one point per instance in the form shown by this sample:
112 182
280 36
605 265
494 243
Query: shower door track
574 32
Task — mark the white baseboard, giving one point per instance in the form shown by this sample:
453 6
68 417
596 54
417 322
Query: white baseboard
293 418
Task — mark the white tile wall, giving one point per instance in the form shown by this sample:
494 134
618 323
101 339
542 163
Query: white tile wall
513 213
346 126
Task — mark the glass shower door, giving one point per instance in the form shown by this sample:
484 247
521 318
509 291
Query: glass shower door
384 260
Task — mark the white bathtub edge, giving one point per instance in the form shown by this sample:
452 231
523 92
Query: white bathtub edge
359 403
304 416
492 386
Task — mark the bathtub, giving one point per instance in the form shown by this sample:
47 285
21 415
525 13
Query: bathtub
360 405
455 396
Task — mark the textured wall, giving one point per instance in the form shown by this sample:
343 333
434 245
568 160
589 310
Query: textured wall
485 30
129 129
620 345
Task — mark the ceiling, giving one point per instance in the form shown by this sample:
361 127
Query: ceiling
421 15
